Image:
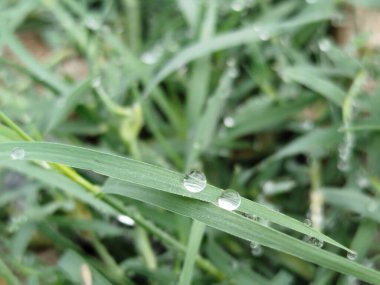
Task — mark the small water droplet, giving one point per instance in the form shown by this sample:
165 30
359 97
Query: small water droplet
237 5
318 243
231 62
363 182
18 153
45 164
229 122
372 206
274 187
233 72
308 222
324 45
197 145
151 57
92 24
257 251
343 165
126 220
253 244
148 58
264 36
352 255
195 181
229 200
96 83
313 241
307 125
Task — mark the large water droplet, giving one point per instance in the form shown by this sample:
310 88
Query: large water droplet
229 200
18 153
229 122
352 255
195 181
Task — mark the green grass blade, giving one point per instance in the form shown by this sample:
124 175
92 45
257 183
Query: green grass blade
146 175
60 181
228 40
35 68
195 239
317 83
237 225
7 274
65 104
353 200
264 113
201 70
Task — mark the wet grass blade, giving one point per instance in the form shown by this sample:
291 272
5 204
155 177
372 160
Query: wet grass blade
146 175
237 225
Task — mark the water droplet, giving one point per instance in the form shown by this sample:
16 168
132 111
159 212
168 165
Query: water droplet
307 125
264 36
352 255
148 58
313 241
197 145
372 206
253 244
96 83
45 164
233 72
343 165
275 187
126 220
195 181
151 57
257 251
363 182
324 45
92 24
229 122
231 62
308 222
237 5
229 200
318 243
18 153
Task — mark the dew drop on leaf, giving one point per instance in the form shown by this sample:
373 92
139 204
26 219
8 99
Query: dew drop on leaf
352 255
18 153
229 200
195 181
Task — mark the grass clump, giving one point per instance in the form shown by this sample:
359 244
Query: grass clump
108 107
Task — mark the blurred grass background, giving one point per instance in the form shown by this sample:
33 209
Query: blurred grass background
278 100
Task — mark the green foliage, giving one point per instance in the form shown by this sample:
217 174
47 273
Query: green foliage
105 105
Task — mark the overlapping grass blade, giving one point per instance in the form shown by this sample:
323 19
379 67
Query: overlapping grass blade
231 39
146 175
353 200
240 226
